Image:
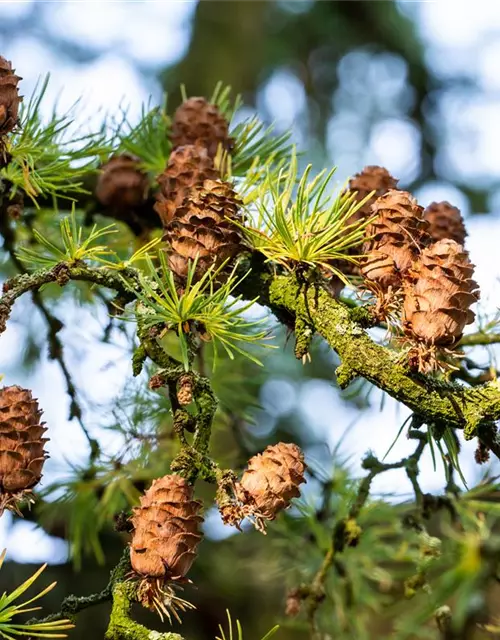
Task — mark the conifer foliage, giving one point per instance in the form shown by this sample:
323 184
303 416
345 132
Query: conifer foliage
215 234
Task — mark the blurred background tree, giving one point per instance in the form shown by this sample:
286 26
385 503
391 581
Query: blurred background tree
363 82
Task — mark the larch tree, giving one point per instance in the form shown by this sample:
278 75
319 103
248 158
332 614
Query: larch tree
201 238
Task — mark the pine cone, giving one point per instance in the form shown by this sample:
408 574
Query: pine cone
439 294
121 185
201 228
395 238
294 600
166 530
271 480
445 221
372 178
9 97
185 389
196 121
22 453
188 166
122 188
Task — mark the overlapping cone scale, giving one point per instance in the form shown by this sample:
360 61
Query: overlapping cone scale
445 221
272 479
122 186
202 229
394 239
22 442
196 121
166 530
188 166
439 295
10 99
372 178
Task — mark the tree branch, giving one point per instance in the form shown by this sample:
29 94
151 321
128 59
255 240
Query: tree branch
479 338
54 325
436 401
121 626
61 274
346 532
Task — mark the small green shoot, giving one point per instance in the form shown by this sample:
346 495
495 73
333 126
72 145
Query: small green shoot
302 224
9 629
205 304
239 631
75 245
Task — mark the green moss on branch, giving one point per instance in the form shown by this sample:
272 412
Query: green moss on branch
121 626
435 401
62 273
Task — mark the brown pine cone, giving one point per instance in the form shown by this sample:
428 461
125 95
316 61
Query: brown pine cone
196 121
121 185
394 239
166 530
122 188
271 480
372 178
445 221
22 453
188 166
202 229
439 295
9 97
185 389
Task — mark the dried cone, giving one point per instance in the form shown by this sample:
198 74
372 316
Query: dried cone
395 239
445 221
122 186
196 121
270 482
188 166
294 600
164 542
22 453
9 97
185 389
202 229
438 298
372 178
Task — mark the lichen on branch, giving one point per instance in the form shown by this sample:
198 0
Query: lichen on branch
437 402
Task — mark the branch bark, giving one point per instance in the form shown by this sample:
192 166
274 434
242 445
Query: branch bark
61 274
435 401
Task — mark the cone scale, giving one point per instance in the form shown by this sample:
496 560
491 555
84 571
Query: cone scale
22 441
438 296
267 486
198 122
164 542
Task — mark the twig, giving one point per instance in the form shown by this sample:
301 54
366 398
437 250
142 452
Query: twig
438 402
62 273
56 351
71 605
479 339
346 533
